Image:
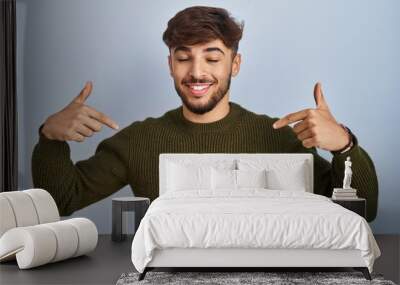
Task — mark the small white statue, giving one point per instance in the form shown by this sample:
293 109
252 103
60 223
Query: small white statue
347 174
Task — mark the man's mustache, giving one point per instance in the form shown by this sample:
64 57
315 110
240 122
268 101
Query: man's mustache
194 81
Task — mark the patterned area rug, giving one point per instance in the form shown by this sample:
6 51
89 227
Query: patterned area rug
230 278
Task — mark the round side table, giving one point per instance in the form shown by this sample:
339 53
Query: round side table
138 205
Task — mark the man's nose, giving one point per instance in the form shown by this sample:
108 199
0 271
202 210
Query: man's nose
197 69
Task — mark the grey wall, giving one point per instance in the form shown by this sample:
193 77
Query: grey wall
350 46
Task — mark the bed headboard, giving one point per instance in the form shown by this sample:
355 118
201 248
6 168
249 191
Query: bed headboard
210 157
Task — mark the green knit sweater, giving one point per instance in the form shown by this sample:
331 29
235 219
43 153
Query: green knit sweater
131 157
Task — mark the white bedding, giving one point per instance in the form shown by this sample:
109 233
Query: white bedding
250 218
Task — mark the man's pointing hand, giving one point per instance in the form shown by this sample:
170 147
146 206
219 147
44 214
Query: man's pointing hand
316 127
76 121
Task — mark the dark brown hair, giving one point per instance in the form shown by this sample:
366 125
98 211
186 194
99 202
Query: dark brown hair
201 24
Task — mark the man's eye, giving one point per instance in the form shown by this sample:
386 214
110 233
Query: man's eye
209 60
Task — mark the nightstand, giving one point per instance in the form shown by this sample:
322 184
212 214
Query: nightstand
138 205
358 205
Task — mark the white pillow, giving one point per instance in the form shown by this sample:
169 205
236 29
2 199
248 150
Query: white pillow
223 178
251 178
185 177
282 174
288 179
216 163
236 179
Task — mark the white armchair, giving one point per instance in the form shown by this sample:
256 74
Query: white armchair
31 231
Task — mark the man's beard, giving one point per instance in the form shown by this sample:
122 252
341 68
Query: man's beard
211 103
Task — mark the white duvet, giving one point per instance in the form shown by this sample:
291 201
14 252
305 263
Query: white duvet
250 218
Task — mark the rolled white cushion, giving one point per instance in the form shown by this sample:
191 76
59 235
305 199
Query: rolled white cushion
26 208
33 246
7 218
23 208
45 205
40 244
87 234
67 239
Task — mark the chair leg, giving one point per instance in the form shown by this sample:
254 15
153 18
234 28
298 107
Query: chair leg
364 271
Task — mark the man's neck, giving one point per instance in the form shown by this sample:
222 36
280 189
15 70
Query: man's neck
216 114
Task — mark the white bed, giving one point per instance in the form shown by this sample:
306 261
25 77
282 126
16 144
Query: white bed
203 220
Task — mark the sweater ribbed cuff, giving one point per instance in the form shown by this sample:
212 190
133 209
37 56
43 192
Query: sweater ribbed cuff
355 149
51 148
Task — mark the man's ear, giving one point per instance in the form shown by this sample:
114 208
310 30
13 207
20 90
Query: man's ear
170 64
237 60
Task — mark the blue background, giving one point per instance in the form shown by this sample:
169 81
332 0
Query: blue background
352 47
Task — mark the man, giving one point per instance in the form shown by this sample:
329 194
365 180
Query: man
203 44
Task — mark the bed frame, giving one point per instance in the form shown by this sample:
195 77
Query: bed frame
246 259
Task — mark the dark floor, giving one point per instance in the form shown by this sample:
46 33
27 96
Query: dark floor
389 262
110 260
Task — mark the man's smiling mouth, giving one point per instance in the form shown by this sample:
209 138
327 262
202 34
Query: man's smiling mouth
199 89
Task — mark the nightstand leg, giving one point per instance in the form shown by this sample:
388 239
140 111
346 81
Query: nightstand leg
116 222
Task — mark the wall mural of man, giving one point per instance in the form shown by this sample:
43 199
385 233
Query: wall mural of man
203 45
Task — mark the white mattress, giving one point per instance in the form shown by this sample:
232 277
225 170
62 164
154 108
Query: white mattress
250 218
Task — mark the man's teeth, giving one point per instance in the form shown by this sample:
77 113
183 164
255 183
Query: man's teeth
201 87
